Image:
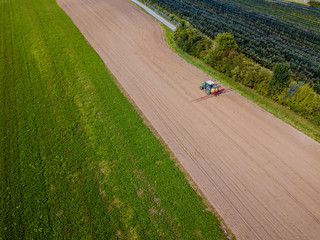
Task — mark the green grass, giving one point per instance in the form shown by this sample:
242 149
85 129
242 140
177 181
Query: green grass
304 125
76 160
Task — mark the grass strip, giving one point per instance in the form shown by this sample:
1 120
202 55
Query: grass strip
298 122
76 160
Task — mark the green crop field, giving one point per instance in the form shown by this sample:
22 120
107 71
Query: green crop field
76 160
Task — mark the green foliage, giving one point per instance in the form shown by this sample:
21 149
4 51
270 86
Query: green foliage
305 102
225 59
191 41
262 85
280 78
314 3
225 41
253 76
71 164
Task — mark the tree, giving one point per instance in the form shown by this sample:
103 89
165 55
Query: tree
314 3
280 78
192 41
305 102
213 58
224 57
225 41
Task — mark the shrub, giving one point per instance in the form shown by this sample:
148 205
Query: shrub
225 41
305 102
191 41
280 78
314 3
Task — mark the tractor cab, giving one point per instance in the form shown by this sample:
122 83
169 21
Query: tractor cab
210 87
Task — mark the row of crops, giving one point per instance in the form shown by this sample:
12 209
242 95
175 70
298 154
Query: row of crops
304 16
261 34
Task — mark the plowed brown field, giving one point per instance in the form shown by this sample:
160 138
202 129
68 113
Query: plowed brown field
260 174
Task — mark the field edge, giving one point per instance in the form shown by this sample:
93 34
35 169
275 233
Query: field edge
279 111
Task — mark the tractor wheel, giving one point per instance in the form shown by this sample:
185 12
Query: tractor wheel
208 91
201 88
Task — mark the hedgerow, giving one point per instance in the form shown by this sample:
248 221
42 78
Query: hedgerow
222 55
266 31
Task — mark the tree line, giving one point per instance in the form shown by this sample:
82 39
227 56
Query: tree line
222 55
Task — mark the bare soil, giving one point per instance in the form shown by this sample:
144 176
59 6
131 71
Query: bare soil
260 174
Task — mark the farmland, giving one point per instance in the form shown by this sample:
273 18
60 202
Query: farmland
281 112
260 174
71 164
266 31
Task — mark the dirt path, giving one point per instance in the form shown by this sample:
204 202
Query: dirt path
261 175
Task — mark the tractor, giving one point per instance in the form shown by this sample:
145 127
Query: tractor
211 87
